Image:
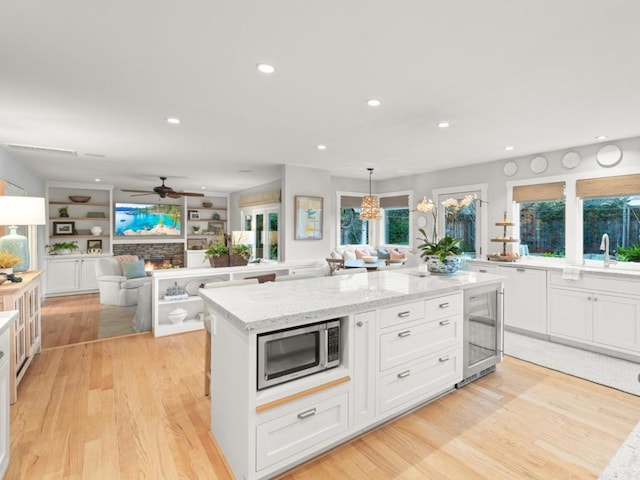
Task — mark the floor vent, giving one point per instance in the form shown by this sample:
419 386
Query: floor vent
476 376
34 148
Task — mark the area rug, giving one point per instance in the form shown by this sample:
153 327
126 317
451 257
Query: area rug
116 321
611 372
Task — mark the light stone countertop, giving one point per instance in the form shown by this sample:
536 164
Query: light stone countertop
622 270
274 305
6 318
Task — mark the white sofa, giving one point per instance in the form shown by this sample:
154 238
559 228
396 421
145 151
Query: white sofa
348 253
115 288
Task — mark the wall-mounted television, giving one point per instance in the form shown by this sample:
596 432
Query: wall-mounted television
147 219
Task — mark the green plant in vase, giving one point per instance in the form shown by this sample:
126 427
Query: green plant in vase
61 248
443 256
196 228
217 254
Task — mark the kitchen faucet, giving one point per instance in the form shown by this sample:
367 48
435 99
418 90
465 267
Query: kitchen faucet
604 246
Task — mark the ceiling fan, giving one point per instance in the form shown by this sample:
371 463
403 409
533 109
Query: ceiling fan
164 191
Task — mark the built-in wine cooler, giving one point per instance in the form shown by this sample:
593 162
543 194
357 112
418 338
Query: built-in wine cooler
483 332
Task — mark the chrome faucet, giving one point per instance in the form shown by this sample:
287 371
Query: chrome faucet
604 246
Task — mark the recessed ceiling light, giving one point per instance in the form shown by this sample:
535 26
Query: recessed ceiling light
508 148
374 102
203 187
443 124
322 147
265 68
601 137
98 180
173 120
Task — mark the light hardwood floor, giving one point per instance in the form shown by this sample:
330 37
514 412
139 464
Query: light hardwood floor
133 408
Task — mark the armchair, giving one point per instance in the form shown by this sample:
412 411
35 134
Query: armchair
115 288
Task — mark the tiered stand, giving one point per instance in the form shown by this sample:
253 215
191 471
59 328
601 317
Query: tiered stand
504 256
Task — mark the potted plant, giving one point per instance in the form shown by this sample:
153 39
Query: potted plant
240 255
630 253
443 256
8 261
196 228
61 248
217 254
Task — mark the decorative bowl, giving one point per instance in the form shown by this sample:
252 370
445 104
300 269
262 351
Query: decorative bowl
207 204
177 315
370 259
79 198
449 266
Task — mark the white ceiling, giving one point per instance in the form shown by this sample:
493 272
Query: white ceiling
101 77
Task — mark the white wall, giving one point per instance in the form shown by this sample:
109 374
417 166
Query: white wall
311 182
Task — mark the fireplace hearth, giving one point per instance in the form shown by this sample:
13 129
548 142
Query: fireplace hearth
155 255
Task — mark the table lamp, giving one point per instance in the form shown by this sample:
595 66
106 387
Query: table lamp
16 211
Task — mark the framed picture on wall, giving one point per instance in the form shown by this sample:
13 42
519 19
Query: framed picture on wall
63 228
94 244
308 218
194 215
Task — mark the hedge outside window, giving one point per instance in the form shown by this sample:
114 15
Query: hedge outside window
542 218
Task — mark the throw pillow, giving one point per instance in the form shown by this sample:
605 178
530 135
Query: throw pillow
133 269
348 255
395 255
363 252
335 254
383 254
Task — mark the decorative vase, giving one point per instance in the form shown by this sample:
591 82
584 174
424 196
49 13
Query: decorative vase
63 251
220 261
96 230
449 266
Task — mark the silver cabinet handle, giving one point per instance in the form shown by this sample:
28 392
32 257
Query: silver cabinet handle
520 270
406 333
1 354
482 271
588 298
445 322
359 323
595 299
404 374
444 305
444 359
307 414
404 314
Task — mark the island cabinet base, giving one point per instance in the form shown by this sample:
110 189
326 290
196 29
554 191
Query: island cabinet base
393 359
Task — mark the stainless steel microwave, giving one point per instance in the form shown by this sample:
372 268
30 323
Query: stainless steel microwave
285 355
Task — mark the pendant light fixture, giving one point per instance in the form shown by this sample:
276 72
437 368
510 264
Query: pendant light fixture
370 208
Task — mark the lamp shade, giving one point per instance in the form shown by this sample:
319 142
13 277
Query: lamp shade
22 211
16 211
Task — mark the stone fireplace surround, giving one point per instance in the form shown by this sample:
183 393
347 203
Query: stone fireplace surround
160 254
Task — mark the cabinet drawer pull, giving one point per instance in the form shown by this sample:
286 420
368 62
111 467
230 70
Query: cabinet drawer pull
404 374
445 322
595 299
307 414
406 333
359 323
444 305
404 314
520 270
482 270
588 298
444 359
1 354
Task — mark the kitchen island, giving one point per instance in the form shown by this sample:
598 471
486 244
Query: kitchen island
400 347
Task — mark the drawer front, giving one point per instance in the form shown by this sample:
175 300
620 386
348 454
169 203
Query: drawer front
443 307
591 282
416 340
407 312
4 347
418 379
282 437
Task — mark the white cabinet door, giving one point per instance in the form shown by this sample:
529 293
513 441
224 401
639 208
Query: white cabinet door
571 313
616 321
364 387
88 274
4 402
62 275
525 298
